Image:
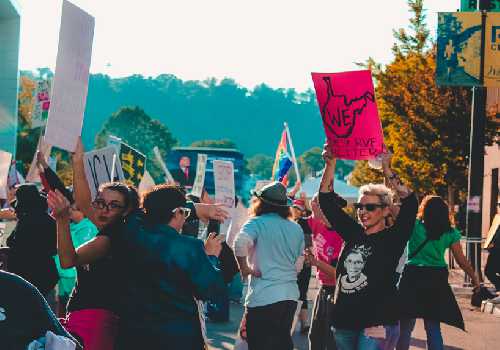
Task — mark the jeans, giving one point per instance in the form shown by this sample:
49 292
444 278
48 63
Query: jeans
321 336
432 328
348 339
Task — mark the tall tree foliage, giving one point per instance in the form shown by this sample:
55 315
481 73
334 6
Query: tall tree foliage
141 132
426 126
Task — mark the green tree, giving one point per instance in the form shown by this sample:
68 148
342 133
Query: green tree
224 143
260 165
310 162
426 126
141 132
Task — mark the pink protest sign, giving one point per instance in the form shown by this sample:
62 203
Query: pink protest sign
349 111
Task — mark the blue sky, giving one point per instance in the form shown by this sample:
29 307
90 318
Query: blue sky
278 42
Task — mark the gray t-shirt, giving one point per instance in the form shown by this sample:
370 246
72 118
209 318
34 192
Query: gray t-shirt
278 244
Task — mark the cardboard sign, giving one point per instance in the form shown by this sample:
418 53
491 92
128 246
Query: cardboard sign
458 49
42 103
147 183
133 164
224 183
199 181
69 92
45 148
168 176
349 112
5 162
98 168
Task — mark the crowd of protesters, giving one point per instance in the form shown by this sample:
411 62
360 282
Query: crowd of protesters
142 270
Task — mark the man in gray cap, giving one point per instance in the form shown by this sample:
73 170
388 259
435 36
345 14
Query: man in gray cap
274 246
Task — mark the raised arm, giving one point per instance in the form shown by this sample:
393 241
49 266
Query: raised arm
329 202
81 190
53 180
68 255
409 204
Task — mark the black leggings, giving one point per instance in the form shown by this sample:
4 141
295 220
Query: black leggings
269 327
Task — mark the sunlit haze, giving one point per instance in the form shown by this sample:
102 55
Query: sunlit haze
277 42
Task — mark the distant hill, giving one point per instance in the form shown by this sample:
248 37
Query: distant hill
210 109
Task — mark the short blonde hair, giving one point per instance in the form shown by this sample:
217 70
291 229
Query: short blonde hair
381 191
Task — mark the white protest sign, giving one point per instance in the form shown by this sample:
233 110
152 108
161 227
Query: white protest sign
5 159
69 90
98 165
224 189
168 176
45 148
116 142
199 180
146 183
224 182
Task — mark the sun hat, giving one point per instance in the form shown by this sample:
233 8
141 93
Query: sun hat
274 194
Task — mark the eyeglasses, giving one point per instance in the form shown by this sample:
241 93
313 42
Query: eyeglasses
368 206
101 204
185 211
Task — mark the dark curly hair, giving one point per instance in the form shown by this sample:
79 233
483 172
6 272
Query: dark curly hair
159 202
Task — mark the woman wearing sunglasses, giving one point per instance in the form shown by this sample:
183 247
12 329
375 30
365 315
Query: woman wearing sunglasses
365 294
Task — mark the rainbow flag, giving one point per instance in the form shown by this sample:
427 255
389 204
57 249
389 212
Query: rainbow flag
282 161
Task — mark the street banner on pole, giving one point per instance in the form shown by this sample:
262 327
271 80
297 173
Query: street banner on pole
69 92
199 180
473 5
350 115
5 160
459 49
133 164
492 51
98 168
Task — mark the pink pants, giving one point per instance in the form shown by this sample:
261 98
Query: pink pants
97 328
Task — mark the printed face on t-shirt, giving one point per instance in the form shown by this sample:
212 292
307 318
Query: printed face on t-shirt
354 264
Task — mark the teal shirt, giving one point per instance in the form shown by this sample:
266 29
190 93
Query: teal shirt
278 243
432 254
81 233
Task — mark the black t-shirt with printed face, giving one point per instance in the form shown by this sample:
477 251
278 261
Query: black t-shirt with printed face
366 295
98 283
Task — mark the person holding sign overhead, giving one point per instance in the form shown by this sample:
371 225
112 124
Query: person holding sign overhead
365 294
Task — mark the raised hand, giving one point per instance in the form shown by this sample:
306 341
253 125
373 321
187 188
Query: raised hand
40 161
59 204
213 245
327 154
218 212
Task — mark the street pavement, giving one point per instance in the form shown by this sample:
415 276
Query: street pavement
483 330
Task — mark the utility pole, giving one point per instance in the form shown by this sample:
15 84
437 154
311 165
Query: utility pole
476 160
